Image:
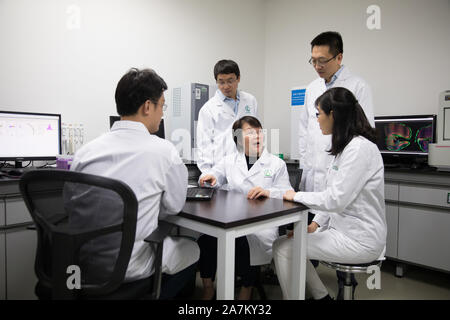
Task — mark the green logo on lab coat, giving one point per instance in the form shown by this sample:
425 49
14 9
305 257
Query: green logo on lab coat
247 109
267 173
335 168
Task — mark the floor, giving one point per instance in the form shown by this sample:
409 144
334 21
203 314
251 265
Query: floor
416 284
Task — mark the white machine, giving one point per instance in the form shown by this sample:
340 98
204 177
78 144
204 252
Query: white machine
186 102
439 153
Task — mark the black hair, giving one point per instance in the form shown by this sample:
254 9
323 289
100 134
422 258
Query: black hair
348 116
136 87
238 124
332 39
226 67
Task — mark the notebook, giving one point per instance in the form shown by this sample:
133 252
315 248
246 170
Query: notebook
198 193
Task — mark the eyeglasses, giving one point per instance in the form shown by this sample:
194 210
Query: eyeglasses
320 62
229 82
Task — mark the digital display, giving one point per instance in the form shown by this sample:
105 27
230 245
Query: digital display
29 135
405 135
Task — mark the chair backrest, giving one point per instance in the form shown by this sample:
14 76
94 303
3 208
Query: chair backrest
295 177
83 221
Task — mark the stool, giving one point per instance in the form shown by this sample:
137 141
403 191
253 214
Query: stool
348 269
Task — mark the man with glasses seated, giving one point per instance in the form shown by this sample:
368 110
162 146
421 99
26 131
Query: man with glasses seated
218 115
326 58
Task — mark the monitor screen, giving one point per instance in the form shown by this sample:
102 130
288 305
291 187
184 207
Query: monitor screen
159 133
29 136
405 135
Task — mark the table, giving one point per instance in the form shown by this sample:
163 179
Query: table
229 215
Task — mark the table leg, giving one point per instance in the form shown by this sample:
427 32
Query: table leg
225 266
299 259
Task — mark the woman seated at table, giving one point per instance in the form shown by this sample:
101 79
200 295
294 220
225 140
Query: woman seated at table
257 173
354 195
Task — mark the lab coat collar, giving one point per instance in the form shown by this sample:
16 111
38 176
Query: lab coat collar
343 74
129 125
340 75
264 158
220 102
222 97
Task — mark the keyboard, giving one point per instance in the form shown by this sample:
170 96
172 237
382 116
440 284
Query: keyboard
198 193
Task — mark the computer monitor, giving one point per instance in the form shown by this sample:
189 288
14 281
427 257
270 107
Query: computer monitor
28 136
405 139
159 133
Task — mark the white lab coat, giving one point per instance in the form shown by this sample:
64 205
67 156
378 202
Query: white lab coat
151 167
268 172
214 134
354 196
313 145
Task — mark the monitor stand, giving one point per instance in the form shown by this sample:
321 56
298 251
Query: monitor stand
18 164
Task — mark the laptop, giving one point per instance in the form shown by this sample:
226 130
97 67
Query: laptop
197 193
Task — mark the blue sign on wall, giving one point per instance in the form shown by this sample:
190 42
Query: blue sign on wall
298 97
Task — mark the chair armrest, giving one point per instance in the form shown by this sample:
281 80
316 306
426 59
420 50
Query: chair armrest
156 240
163 230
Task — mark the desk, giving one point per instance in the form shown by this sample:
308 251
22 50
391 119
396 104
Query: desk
229 215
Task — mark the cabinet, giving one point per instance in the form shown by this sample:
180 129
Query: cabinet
392 230
17 248
2 252
424 236
2 267
418 218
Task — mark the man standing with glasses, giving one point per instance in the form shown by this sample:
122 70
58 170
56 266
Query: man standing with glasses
326 58
216 117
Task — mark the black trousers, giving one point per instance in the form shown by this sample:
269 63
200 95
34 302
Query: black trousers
208 260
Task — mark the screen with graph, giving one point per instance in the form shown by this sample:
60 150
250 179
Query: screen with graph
29 136
405 134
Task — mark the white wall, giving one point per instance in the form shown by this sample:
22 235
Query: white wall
406 62
47 67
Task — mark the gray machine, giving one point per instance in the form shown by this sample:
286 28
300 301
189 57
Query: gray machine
439 152
186 102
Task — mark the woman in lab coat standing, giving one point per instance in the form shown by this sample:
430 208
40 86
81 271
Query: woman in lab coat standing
354 195
252 170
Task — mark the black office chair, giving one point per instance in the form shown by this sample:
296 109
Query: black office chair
295 177
89 222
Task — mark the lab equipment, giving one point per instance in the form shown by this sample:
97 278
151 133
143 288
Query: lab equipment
29 136
186 102
404 140
439 154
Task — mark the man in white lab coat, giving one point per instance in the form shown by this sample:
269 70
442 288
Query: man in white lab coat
326 58
218 115
151 167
